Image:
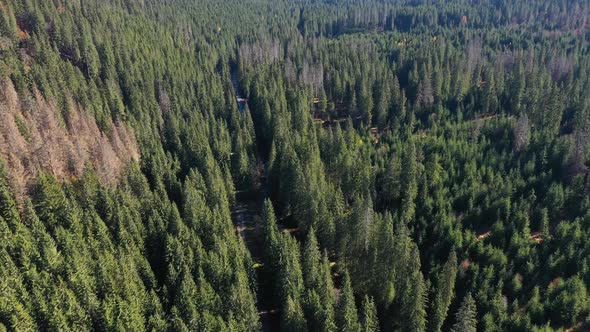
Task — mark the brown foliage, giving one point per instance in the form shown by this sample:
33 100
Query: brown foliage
22 35
41 140
465 264
555 282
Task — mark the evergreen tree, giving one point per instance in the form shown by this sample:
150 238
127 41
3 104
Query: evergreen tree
311 261
347 315
369 320
8 209
444 293
408 186
414 310
466 316
293 319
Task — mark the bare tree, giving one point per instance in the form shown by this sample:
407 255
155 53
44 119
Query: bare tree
264 50
290 71
164 99
474 53
578 152
476 130
313 75
425 93
32 137
560 67
522 133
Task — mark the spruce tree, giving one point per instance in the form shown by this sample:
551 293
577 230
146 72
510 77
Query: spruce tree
415 301
311 260
347 315
409 185
293 319
444 293
466 316
8 209
369 320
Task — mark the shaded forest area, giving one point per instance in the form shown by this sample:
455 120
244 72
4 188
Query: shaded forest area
398 165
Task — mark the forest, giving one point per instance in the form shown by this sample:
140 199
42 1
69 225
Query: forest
295 165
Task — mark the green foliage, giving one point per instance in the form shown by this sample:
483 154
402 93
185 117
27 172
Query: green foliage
447 154
569 301
346 313
369 319
8 208
444 292
466 316
293 319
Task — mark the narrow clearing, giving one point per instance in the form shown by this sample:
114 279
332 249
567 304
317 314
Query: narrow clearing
245 216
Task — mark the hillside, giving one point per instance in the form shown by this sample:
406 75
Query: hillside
33 138
309 165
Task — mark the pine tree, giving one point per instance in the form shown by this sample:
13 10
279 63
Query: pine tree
415 301
8 209
545 226
409 185
327 295
293 319
311 261
382 96
535 307
319 314
384 287
347 315
444 293
369 320
289 279
466 316
270 232
8 25
50 202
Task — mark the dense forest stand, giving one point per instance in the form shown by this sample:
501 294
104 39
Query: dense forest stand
245 215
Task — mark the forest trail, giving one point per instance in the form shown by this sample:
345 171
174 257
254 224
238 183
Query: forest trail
490 116
245 216
242 102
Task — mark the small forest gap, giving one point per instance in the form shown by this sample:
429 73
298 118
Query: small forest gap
246 219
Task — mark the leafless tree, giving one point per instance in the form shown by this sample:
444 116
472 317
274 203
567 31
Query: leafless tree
264 50
425 93
560 67
474 53
477 124
164 99
578 152
506 60
290 71
522 133
33 137
313 75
